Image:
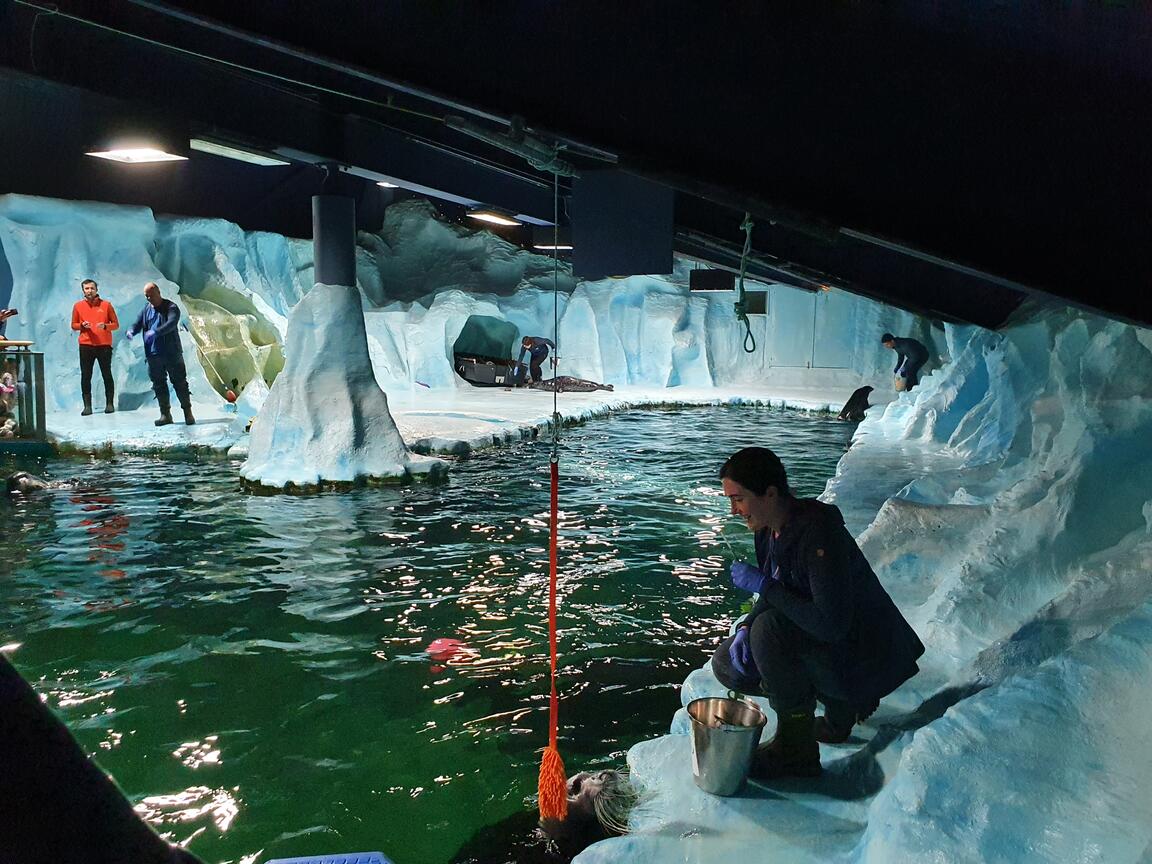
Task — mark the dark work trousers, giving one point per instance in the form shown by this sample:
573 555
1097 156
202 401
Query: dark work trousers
793 668
173 367
534 368
89 355
912 373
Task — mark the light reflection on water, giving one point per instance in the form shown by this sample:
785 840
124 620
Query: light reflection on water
255 671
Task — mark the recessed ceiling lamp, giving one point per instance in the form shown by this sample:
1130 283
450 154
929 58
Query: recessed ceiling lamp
549 239
136 155
204 146
494 217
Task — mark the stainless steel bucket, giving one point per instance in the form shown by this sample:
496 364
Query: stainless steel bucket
725 733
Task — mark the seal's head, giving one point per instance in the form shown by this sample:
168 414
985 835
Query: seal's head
22 481
598 806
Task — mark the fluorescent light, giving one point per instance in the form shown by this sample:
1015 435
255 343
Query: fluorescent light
386 185
548 247
494 218
233 153
136 155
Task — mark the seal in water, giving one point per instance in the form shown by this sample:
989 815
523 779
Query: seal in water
599 803
22 481
598 806
856 405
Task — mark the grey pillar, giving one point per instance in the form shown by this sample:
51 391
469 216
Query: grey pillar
334 239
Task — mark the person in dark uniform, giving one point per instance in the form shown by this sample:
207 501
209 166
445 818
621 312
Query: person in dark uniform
823 628
536 347
158 321
911 355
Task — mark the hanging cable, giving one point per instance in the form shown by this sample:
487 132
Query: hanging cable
741 299
552 786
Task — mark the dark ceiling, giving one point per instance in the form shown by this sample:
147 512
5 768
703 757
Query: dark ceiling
947 160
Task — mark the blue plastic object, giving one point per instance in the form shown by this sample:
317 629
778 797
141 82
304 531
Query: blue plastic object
343 858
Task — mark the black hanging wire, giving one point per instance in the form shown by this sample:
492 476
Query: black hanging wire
555 457
741 298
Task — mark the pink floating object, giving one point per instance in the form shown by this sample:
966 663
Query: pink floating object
444 649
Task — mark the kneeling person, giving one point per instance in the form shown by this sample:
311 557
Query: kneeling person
823 627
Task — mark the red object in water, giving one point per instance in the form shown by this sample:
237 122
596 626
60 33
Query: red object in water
443 650
229 396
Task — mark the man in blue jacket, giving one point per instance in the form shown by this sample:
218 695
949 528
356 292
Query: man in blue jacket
158 321
910 356
823 627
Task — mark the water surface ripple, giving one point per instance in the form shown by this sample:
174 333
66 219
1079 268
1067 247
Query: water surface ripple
255 671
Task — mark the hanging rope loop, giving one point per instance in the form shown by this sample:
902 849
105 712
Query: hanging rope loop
741 305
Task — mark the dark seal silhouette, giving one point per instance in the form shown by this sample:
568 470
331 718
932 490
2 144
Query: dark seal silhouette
856 405
22 481
598 806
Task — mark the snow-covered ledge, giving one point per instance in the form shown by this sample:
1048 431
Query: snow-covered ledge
326 420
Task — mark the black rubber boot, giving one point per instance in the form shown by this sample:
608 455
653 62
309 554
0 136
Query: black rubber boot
165 418
793 752
835 727
189 420
87 407
109 407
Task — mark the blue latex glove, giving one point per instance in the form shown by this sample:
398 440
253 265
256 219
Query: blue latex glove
746 577
740 653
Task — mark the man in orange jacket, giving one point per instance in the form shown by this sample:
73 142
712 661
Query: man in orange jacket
95 319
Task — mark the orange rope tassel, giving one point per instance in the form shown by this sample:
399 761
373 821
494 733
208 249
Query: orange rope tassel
552 789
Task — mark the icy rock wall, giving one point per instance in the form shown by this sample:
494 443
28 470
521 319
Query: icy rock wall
1025 567
421 279
240 288
51 246
327 419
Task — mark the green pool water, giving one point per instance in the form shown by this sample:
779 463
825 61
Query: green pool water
253 670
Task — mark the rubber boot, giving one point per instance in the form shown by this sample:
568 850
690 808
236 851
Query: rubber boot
87 406
793 752
165 416
110 405
835 727
189 420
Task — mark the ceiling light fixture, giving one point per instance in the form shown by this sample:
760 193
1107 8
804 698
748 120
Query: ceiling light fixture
547 238
494 217
136 155
216 149
384 184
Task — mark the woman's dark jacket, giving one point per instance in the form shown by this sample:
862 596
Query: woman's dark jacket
827 588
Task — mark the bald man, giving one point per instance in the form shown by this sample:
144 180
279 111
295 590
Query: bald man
158 321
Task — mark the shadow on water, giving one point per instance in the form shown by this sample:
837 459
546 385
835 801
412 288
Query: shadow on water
515 840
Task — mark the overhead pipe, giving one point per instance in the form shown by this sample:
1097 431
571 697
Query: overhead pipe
541 156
